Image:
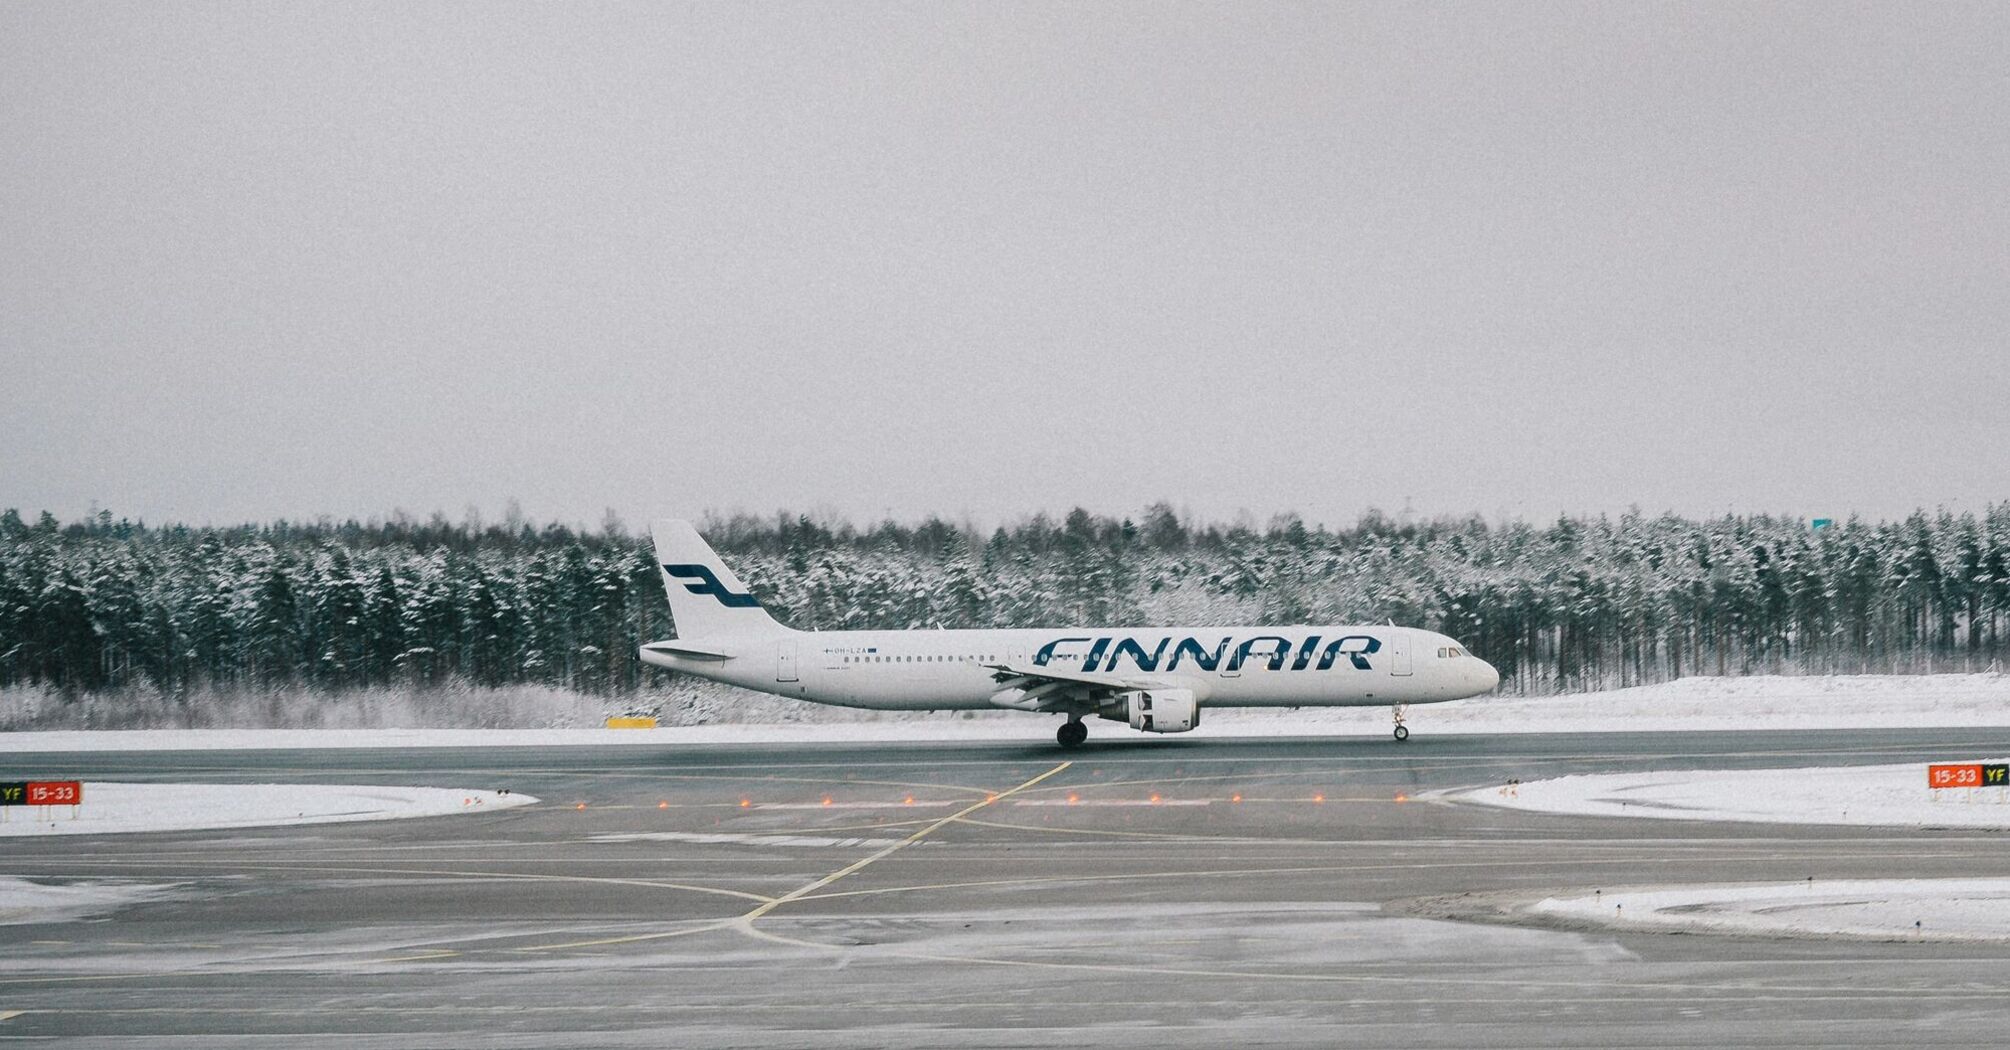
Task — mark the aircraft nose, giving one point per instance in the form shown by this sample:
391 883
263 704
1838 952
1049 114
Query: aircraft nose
1489 677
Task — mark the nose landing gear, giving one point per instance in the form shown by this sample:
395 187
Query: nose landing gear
1402 731
1072 732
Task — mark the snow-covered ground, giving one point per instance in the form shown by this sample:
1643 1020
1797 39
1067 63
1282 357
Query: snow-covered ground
1754 702
1891 795
113 807
1894 795
24 901
1759 702
1898 909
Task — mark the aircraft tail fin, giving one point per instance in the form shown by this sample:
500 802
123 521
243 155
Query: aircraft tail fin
706 599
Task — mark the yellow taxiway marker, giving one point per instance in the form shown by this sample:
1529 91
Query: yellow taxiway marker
898 846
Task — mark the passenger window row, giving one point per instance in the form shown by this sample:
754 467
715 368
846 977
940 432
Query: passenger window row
916 659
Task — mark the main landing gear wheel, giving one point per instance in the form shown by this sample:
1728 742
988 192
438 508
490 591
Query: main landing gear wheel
1072 732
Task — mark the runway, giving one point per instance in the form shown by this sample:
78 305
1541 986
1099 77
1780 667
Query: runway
1132 893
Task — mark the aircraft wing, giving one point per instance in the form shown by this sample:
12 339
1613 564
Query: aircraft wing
1031 688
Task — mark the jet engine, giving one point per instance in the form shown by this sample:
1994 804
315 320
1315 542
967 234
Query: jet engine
1156 710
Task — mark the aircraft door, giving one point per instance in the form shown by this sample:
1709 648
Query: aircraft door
1399 652
785 660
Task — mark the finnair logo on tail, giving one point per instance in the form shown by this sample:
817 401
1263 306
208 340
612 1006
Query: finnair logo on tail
708 583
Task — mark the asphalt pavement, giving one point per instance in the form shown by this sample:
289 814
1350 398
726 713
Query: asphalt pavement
1136 892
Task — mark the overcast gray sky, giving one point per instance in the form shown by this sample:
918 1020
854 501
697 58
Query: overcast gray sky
283 259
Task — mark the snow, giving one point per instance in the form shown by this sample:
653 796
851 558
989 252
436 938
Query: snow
1757 702
1976 909
1894 795
114 807
1752 702
23 901
1908 909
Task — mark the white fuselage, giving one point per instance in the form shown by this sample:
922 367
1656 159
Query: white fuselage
1298 666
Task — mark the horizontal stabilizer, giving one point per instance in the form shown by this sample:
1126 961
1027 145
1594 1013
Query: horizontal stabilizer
687 650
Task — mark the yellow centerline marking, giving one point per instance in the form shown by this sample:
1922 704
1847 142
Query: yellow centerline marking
854 868
707 928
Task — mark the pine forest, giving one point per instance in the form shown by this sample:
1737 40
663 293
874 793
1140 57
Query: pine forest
101 605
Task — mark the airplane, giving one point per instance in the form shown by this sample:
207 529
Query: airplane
1157 679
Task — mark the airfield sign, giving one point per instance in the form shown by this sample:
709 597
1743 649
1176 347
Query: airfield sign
41 793
1968 775
55 793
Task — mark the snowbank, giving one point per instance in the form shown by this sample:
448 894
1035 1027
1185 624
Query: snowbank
1754 702
110 807
1854 795
1759 702
1884 909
